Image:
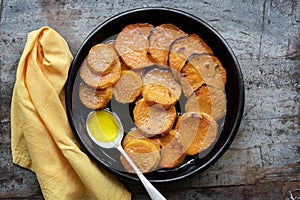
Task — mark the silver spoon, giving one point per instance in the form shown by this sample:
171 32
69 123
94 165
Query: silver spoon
116 143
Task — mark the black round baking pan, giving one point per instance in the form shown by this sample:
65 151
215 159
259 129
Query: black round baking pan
234 89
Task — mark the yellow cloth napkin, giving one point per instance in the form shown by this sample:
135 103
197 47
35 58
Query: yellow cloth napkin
41 138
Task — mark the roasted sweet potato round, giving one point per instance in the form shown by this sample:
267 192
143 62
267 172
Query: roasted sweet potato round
198 131
101 58
207 99
200 69
163 77
172 152
153 119
160 94
132 45
128 87
100 81
94 98
182 48
160 40
143 153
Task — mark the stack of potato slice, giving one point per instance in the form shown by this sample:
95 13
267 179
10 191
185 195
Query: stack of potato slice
100 70
154 67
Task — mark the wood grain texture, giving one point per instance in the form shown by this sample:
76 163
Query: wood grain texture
263 162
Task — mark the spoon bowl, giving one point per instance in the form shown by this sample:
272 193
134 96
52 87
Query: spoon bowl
112 144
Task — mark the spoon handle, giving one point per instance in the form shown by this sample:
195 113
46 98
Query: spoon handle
152 191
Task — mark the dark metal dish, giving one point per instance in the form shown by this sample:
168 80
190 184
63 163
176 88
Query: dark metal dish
234 88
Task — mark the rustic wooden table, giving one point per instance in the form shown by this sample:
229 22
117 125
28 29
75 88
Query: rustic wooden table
263 162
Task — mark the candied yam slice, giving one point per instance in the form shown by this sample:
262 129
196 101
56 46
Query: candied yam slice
101 58
132 45
172 152
160 94
128 87
143 153
160 40
94 98
163 77
153 119
182 48
137 134
207 99
100 81
198 131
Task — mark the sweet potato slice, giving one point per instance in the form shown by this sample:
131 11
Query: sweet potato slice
132 45
160 40
182 48
143 153
137 134
200 69
207 99
198 131
190 79
210 68
128 87
94 98
160 94
172 152
163 77
100 81
153 119
101 58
